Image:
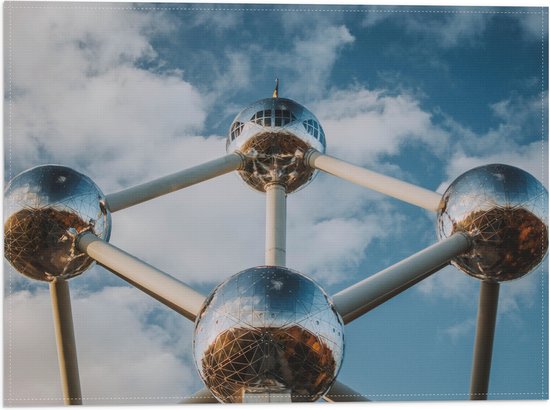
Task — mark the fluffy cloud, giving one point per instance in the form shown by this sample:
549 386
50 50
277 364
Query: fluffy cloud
126 352
366 124
454 29
506 143
312 58
78 94
446 31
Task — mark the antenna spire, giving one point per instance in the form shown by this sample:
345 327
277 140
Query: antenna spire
276 91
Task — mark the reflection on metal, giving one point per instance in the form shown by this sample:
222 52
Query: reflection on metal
265 330
274 134
504 210
47 207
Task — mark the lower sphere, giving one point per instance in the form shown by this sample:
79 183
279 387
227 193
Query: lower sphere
268 330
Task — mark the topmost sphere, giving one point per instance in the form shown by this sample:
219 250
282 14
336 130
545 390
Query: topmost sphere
274 133
46 207
504 210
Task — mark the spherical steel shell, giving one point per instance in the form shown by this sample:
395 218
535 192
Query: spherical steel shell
266 330
504 210
274 134
46 207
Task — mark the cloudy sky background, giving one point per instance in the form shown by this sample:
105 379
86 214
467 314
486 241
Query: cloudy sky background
125 94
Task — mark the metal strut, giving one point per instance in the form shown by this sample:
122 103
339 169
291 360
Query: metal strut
66 345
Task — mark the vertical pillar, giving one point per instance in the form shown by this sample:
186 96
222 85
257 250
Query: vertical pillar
66 346
485 333
275 233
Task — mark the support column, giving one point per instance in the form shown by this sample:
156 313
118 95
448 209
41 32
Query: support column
275 232
161 286
173 182
364 296
485 333
66 346
384 184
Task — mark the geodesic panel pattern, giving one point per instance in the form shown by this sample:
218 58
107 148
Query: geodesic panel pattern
45 208
277 158
504 210
268 329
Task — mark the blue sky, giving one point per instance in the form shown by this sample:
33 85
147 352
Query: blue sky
127 94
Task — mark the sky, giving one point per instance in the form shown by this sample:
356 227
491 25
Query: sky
125 94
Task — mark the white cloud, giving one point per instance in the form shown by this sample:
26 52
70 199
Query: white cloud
365 124
79 96
449 283
217 21
445 30
310 59
533 25
329 250
460 330
455 29
505 143
125 351
315 55
520 295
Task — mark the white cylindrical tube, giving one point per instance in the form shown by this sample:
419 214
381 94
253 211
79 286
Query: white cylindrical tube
65 340
166 289
358 299
393 187
173 182
275 232
485 334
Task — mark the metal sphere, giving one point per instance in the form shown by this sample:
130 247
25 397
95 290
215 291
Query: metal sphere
275 133
46 208
504 210
268 330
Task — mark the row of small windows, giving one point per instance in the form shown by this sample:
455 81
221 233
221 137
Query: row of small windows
314 129
282 117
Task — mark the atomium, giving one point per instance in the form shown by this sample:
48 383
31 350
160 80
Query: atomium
504 211
47 206
268 329
274 134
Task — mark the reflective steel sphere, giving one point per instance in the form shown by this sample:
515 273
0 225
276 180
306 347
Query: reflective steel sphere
46 207
275 133
504 210
268 330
